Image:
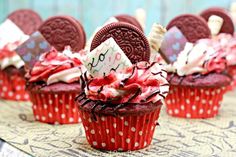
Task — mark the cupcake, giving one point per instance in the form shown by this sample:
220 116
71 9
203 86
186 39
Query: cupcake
197 82
121 101
53 75
221 25
13 33
196 70
225 45
53 83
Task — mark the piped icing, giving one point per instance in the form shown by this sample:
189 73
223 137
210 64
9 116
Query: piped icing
54 66
142 82
11 36
8 57
198 58
223 43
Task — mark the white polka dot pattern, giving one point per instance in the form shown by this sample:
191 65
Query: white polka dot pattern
12 87
120 133
204 103
232 72
55 108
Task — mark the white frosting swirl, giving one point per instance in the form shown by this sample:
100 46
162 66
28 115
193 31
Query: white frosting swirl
15 61
54 66
192 58
67 76
11 36
11 59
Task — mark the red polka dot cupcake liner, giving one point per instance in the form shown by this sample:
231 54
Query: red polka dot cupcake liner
124 133
187 102
55 108
232 73
12 87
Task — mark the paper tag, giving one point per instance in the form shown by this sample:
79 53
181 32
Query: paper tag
10 33
106 57
30 50
172 44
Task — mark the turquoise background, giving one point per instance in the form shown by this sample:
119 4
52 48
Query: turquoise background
93 13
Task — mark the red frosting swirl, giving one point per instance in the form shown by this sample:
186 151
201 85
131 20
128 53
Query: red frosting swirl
217 63
224 44
8 50
143 82
51 63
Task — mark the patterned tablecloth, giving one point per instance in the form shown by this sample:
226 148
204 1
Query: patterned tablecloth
174 137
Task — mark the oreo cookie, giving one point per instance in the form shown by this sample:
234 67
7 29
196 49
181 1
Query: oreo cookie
27 20
129 19
61 31
228 26
130 39
192 26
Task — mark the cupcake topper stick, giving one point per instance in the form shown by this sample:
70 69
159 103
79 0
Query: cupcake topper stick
106 57
32 48
215 23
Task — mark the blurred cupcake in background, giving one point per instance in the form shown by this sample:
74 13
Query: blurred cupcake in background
53 83
13 32
196 70
54 69
222 38
197 81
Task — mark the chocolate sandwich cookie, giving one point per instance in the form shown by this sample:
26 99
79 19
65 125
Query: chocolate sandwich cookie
61 31
130 39
228 26
192 26
129 19
27 20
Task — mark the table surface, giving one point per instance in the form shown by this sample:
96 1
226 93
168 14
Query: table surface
175 137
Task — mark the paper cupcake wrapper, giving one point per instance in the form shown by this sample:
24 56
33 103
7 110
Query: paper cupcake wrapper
189 102
232 72
124 133
12 87
55 108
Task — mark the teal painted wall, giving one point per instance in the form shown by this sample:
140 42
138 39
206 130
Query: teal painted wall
93 13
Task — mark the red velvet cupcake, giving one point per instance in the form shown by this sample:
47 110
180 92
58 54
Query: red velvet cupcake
53 82
225 44
12 74
197 82
13 32
120 111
